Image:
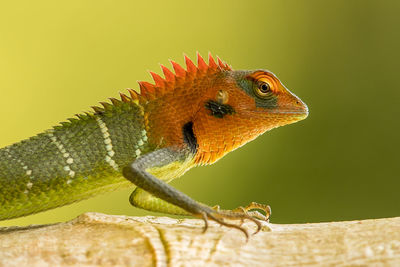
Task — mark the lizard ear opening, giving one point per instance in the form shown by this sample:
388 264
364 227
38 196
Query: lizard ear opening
222 97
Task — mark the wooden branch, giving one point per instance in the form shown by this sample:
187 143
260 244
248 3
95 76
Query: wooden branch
99 239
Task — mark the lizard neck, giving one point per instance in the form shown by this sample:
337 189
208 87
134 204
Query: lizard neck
170 118
216 137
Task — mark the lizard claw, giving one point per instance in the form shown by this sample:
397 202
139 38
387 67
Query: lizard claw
220 215
252 208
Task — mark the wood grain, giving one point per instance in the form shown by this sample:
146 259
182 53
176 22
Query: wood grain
95 239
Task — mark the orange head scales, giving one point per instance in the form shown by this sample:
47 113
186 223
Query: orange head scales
213 108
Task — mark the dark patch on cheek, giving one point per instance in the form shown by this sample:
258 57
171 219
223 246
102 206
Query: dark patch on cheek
219 110
189 137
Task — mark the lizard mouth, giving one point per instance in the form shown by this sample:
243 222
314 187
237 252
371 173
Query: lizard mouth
280 116
299 113
296 109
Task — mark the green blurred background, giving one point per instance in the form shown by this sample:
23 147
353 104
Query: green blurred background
341 57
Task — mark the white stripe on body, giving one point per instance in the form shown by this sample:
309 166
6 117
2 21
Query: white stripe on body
25 167
140 143
108 144
68 159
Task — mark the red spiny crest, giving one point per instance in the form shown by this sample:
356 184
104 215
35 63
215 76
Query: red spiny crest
149 91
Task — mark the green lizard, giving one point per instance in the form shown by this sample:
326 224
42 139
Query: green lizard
191 117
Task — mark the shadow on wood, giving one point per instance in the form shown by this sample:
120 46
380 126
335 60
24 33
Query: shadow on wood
107 240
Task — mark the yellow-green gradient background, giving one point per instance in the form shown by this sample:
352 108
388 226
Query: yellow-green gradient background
58 58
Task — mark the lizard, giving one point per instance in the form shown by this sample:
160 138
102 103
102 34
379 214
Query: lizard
147 138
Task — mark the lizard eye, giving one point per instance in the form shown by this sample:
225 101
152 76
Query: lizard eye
263 89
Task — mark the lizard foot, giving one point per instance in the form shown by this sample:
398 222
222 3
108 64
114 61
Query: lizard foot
219 216
252 208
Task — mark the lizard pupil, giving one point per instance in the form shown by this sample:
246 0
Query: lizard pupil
264 87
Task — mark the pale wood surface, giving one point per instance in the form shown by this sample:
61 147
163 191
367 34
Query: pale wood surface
97 239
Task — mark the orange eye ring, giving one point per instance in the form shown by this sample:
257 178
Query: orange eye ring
263 89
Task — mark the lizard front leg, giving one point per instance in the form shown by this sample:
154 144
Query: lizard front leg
137 173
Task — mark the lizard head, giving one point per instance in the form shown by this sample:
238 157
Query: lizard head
263 96
220 109
241 105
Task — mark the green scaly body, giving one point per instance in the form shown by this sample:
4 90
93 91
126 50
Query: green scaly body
71 162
